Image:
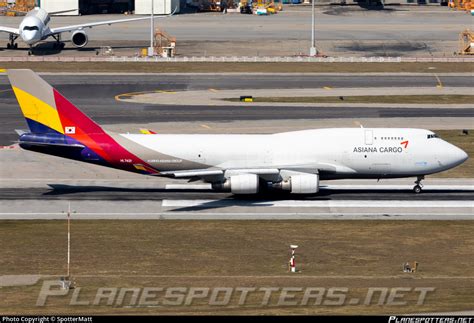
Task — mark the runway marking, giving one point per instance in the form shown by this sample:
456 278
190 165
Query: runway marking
336 187
321 204
400 187
120 97
2 70
439 85
327 87
205 126
188 187
9 147
3 91
213 90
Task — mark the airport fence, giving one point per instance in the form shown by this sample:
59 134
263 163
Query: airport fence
239 59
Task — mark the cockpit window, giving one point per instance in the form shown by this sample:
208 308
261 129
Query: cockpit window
30 28
432 135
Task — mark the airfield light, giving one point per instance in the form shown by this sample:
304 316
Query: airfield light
292 263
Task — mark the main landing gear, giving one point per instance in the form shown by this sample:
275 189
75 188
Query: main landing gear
12 44
58 44
418 187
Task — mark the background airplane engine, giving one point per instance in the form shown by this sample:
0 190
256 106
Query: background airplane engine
79 38
302 184
240 184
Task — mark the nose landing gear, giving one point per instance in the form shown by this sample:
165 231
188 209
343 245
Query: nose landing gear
418 187
11 44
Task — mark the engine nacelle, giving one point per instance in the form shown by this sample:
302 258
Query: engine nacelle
79 38
240 184
301 184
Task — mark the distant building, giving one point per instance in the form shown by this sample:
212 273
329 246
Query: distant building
161 7
88 7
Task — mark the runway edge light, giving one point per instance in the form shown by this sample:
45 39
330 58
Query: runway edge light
292 263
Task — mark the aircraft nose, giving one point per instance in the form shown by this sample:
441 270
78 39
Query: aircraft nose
458 156
29 37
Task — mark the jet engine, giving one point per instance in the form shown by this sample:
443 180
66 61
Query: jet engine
79 38
240 184
300 184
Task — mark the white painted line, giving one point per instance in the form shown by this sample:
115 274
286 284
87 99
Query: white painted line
336 187
427 187
322 204
188 187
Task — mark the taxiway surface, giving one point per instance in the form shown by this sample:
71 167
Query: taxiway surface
95 95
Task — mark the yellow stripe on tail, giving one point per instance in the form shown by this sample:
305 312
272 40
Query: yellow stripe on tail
37 110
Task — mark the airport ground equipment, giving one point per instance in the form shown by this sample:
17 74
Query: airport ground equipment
165 44
461 4
466 42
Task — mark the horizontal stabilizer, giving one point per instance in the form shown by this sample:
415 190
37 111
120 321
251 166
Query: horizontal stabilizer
20 131
44 144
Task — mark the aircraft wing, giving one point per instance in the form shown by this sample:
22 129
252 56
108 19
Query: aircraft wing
193 173
216 172
14 31
101 23
213 172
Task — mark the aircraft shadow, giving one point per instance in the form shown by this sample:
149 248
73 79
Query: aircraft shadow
62 189
224 199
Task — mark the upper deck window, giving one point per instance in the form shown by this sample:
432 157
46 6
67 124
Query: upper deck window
432 135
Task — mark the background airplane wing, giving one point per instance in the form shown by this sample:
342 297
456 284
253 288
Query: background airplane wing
9 30
101 23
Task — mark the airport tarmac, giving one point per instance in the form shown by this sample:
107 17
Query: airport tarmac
31 189
340 31
95 95
356 200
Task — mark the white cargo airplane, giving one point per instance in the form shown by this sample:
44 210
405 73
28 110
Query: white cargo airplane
34 28
242 164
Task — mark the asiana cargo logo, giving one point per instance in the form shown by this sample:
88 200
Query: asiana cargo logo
371 149
378 150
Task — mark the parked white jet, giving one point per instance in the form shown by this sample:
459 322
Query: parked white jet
34 28
243 164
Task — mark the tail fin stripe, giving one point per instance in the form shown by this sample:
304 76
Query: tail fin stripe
68 111
38 111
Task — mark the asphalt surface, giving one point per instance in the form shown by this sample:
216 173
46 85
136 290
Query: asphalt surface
102 193
96 201
421 31
332 23
95 95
